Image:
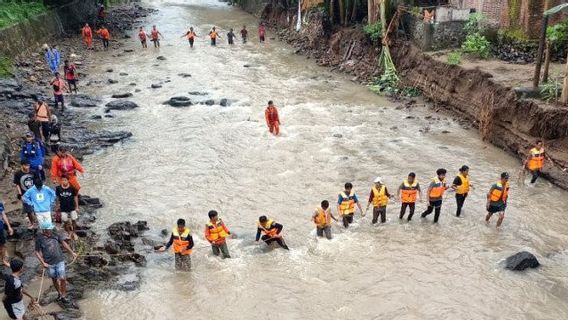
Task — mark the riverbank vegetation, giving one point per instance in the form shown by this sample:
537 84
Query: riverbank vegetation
6 66
15 11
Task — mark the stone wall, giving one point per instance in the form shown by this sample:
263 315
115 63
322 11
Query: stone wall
437 36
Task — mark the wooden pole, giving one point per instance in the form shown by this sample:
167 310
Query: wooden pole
564 97
536 76
547 53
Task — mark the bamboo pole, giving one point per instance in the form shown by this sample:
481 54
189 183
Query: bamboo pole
564 97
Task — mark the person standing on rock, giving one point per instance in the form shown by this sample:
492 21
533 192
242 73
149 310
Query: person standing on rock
34 125
409 192
244 34
497 199
461 186
105 36
182 242
156 36
191 35
272 232
535 160
70 70
23 181
50 59
64 164
87 34
48 250
231 37
272 118
346 202
322 218
43 115
57 56
216 232
33 152
41 198
68 199
59 87
4 222
379 197
143 36
213 35
435 195
261 32
14 291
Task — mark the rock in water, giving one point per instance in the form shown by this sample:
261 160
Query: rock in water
121 105
161 58
122 95
521 261
180 101
156 86
84 101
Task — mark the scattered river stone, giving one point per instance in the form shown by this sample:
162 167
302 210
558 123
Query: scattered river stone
112 81
121 105
123 74
84 101
197 93
337 135
162 58
122 95
179 101
156 86
109 70
521 261
184 75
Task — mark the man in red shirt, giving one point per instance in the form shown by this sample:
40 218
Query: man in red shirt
272 119
69 70
156 36
142 35
261 32
58 88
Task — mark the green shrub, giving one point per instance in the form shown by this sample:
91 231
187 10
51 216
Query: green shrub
551 90
476 23
14 11
454 57
558 34
6 66
476 45
374 31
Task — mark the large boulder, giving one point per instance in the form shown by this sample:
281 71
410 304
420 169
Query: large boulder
84 101
121 105
521 261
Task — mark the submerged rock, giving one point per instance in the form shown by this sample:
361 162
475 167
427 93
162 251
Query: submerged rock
184 75
224 102
121 105
521 261
84 101
162 58
122 95
156 86
112 81
197 93
179 101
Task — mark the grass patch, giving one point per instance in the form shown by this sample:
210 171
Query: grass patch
15 11
6 67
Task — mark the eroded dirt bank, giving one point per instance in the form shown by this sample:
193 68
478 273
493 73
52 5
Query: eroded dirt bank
503 119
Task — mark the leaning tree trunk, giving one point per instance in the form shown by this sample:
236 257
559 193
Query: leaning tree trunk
564 98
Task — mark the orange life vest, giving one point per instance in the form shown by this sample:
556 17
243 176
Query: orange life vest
191 35
322 218
409 192
154 34
536 161
268 229
213 34
463 188
181 243
347 206
499 193
142 36
380 198
438 189
217 231
104 33
42 112
87 32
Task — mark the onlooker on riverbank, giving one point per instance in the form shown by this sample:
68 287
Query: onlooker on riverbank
14 291
23 181
50 59
33 151
4 222
41 198
69 69
43 115
64 164
87 34
59 87
48 251
105 36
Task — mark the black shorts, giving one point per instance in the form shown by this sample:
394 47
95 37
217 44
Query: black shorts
2 237
261 38
58 98
495 209
190 41
26 208
72 82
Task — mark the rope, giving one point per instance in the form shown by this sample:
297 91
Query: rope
35 304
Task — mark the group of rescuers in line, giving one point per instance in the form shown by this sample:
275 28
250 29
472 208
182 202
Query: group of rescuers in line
409 192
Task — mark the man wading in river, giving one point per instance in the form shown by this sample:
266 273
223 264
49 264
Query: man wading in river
272 118
379 197
182 242
409 192
191 35
461 186
213 34
346 202
216 232
497 199
435 194
322 218
535 160
272 232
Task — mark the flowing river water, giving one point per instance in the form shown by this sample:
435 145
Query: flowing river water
184 162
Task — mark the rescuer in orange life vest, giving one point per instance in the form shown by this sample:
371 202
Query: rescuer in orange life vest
143 36
216 232
346 202
497 199
272 232
435 194
379 197
461 186
322 218
182 242
535 160
272 118
408 193
155 36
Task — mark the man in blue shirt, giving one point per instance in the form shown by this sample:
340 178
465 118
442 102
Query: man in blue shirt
346 202
33 151
41 198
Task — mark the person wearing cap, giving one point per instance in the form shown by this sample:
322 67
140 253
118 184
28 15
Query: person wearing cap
14 291
461 186
4 222
65 164
23 181
182 242
33 151
346 202
497 199
41 198
409 192
322 218
435 194
379 197
272 232
48 250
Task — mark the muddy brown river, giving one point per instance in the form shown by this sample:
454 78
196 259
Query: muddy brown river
182 162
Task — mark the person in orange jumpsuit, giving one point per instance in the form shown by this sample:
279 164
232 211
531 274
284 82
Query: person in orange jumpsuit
65 164
105 36
272 119
87 34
